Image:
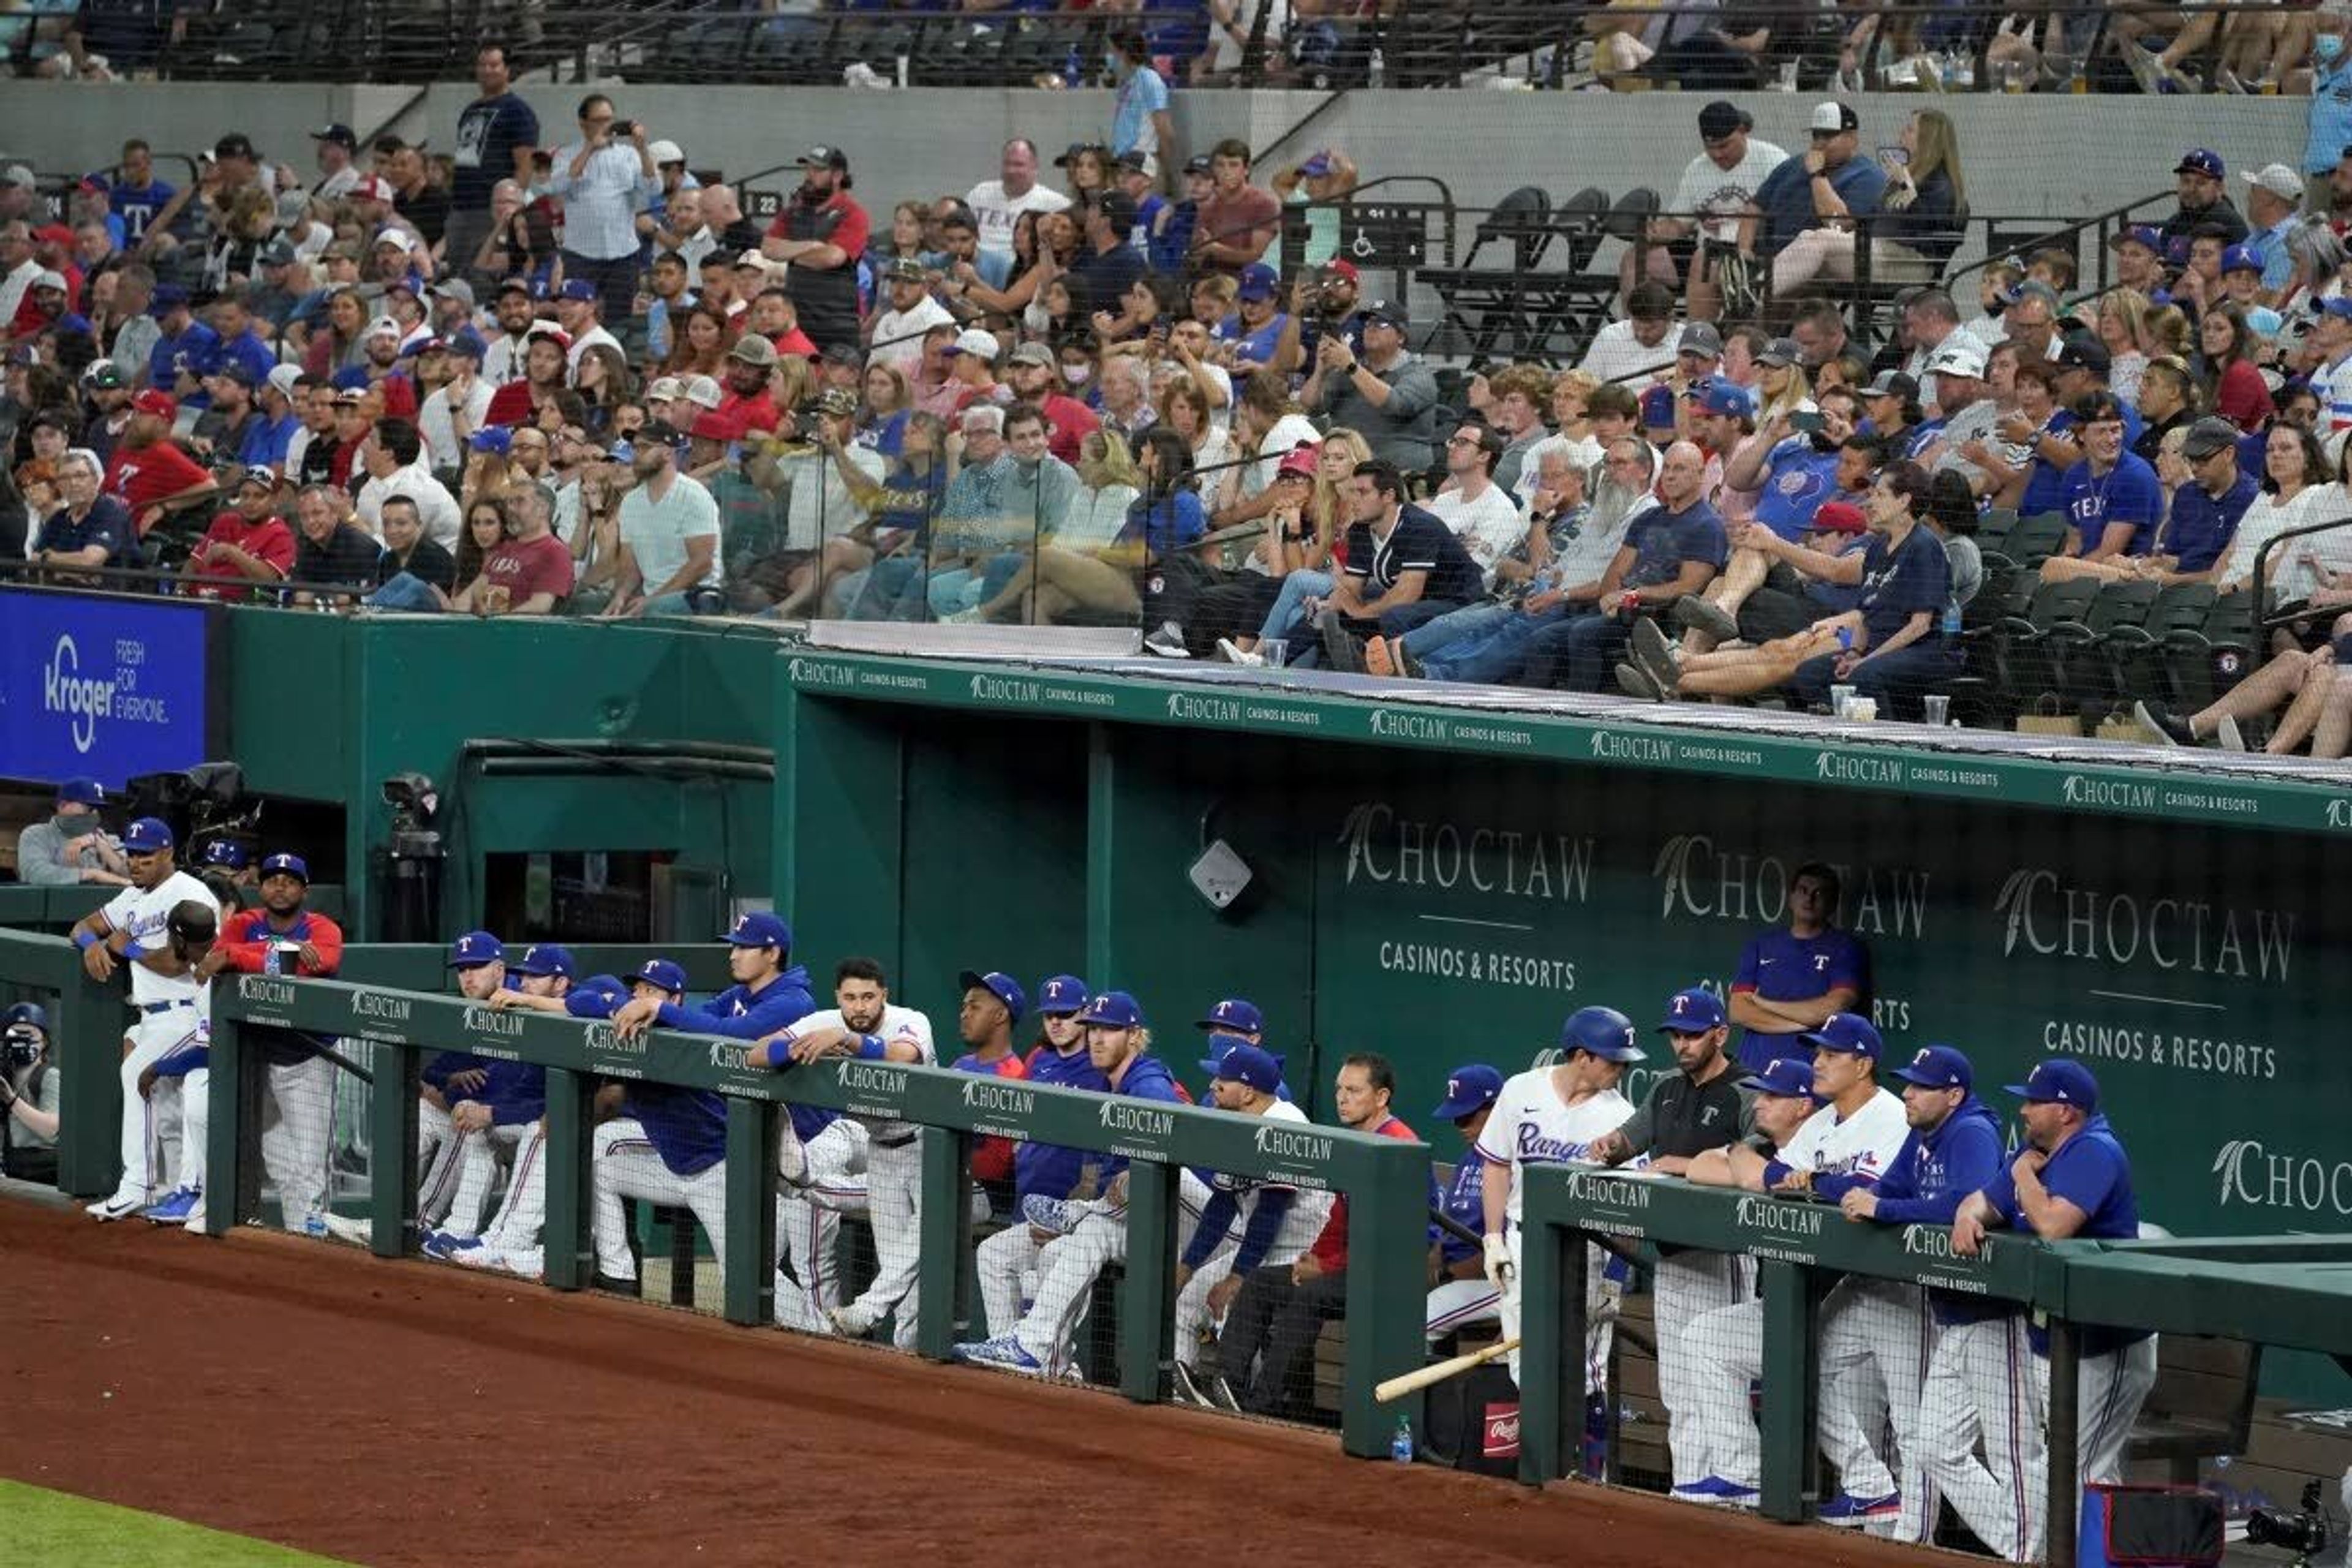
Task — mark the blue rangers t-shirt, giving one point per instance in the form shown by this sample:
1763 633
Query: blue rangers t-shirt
1662 541
2128 493
2091 1171
1800 479
1778 965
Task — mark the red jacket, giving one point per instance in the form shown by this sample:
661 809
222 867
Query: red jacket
1330 1249
247 941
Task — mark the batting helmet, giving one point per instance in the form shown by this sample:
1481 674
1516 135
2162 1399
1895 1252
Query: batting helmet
1602 1031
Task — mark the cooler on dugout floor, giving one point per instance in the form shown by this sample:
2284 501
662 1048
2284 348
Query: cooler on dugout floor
2149 1527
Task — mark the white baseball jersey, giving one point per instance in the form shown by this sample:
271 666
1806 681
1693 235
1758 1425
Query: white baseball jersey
142 914
898 1023
1864 1144
1308 1208
1531 1125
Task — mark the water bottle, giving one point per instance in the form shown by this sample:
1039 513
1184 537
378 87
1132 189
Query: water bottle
1845 639
1401 1446
1379 68
1073 70
1952 617
269 965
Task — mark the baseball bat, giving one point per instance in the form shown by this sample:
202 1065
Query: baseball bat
1438 1372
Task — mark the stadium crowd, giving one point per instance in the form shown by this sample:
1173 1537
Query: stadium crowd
556 372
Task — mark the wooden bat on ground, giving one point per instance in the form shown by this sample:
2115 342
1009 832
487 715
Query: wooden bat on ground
1396 1388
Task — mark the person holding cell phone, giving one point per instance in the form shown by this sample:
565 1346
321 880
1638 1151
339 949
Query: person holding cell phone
1919 223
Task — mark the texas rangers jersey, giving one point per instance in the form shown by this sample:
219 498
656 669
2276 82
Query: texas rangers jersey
898 1024
141 915
1531 1125
1855 1151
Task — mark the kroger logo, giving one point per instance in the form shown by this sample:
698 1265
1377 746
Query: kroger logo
64 692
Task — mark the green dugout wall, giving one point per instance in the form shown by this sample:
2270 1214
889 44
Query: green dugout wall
1440 885
1445 886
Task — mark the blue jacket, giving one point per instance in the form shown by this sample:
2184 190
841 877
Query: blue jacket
1052 1169
515 1093
686 1126
1932 1172
1148 1077
745 1014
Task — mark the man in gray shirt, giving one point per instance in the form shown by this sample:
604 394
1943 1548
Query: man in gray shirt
71 846
1388 395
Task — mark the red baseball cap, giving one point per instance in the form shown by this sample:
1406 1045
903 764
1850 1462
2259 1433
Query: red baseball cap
161 405
1299 460
1344 269
1840 517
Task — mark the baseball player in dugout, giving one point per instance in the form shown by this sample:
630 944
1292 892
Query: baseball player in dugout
28 1096
1692 1113
284 937
1550 1116
2073 1179
1850 1143
1791 978
131 930
1953 1150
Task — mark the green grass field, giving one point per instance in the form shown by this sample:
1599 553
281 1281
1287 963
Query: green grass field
53 1527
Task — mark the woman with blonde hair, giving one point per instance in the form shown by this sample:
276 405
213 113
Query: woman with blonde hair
2123 331
1920 220
1319 521
883 412
2165 334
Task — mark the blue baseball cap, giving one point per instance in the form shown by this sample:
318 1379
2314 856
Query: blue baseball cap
2200 161
1602 1031
2241 258
285 865
31 1012
1235 1016
1235 1060
2145 234
2337 305
1113 1010
147 835
1658 408
663 974
167 298
1790 1078
498 438
474 949
576 288
2059 1080
1317 167
1692 1010
1062 994
1937 1067
84 791
760 928
1473 1086
1259 282
999 984
602 985
544 958
1850 1033
225 852
1717 395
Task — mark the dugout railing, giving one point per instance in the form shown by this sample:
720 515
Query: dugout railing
37 967
1384 1181
2236 1298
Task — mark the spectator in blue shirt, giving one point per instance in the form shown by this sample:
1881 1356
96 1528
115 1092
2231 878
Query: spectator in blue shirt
2112 499
136 195
1140 120
1825 183
185 353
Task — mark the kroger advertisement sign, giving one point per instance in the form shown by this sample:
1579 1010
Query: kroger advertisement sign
103 687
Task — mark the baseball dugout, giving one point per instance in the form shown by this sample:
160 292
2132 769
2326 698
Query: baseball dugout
2133 1363
1384 1180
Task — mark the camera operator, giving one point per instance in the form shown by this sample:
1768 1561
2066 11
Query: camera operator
28 1096
1322 302
72 847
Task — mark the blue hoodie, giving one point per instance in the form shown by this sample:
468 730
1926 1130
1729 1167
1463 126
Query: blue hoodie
1147 1077
515 1093
688 1127
1929 1178
742 1013
1051 1170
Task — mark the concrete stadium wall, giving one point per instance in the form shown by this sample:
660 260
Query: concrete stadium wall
2024 155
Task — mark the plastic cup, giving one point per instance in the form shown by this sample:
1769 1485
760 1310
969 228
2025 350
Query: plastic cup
1939 709
1841 700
